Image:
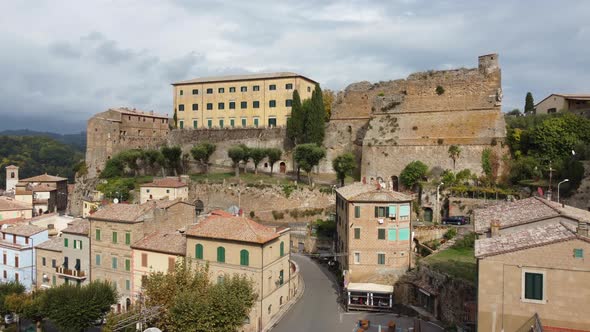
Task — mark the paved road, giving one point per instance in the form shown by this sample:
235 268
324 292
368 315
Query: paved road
318 309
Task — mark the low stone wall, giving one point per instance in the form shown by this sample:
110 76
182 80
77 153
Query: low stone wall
463 206
429 233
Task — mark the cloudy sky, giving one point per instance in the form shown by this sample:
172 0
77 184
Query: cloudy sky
62 61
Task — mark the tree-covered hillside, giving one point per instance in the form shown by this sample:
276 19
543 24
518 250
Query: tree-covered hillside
78 141
37 155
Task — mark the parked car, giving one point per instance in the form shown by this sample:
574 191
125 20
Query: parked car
9 319
456 220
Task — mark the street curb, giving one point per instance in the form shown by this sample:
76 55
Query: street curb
276 319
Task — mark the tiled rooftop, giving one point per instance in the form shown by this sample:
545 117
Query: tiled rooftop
10 204
170 243
523 239
232 228
53 244
78 226
122 212
43 178
43 187
23 229
524 211
359 192
165 183
246 77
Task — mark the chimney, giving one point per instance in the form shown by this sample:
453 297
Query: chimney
582 228
495 228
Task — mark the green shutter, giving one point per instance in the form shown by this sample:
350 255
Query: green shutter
221 254
127 238
244 257
381 234
66 242
357 233
127 265
97 260
533 286
98 234
376 211
114 237
391 234
381 259
282 249
199 251
578 253
80 242
357 211
404 234
127 284
114 262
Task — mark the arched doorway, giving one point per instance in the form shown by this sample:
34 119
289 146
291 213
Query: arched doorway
283 167
40 211
199 206
395 183
428 214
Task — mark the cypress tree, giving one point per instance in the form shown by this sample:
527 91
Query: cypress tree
295 124
529 104
316 118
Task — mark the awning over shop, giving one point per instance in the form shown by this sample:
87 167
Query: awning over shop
369 288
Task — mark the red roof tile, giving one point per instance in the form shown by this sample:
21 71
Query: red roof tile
169 243
232 228
44 178
10 204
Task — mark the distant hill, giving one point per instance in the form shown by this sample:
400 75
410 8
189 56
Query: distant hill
77 141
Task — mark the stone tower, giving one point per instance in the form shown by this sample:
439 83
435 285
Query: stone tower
11 177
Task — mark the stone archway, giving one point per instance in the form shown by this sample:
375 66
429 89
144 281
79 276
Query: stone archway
428 214
199 206
283 167
395 183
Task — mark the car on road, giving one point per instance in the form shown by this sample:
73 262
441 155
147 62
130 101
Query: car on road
456 220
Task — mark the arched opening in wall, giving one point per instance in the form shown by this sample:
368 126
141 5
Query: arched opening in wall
394 183
265 165
108 157
427 214
281 300
12 175
40 211
283 167
127 304
151 197
199 207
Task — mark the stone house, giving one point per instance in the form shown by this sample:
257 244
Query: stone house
49 191
91 203
75 266
18 252
114 228
166 188
11 208
558 102
48 258
538 274
236 245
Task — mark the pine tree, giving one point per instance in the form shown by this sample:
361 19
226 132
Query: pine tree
529 105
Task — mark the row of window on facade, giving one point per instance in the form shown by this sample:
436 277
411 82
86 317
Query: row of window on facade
139 118
232 105
389 234
271 87
114 237
272 122
244 254
14 238
380 257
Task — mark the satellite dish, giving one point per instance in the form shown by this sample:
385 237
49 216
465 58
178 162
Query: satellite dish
153 329
116 201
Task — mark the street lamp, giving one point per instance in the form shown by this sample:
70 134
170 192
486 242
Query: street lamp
438 203
566 180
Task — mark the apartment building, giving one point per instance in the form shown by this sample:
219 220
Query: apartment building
18 252
114 228
48 259
50 193
166 188
236 245
156 252
238 101
76 252
535 276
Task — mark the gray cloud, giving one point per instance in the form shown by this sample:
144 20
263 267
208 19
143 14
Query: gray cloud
62 67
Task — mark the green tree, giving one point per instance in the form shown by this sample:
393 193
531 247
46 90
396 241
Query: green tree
344 164
454 154
524 168
307 156
328 98
175 120
28 306
413 173
295 123
274 155
315 118
257 155
6 289
202 152
75 308
119 188
247 156
529 104
486 162
236 154
514 112
172 157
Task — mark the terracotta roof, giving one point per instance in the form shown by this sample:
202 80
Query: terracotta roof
247 77
222 213
575 96
359 192
232 228
526 238
44 178
122 212
165 203
165 183
43 187
169 243
9 204
53 244
78 226
23 229
524 211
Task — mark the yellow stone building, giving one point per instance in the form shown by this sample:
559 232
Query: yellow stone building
166 188
240 101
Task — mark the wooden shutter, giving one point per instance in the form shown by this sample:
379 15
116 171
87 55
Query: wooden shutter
144 260
171 263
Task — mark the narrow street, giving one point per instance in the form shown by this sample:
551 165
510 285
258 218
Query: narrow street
319 309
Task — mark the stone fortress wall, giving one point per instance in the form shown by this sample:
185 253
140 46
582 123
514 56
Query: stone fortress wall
389 124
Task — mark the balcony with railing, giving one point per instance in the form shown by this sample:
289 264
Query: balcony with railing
70 273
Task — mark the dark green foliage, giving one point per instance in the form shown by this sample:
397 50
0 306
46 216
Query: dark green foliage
344 165
307 121
117 188
202 152
134 162
514 112
74 308
38 155
257 154
451 233
307 156
466 242
413 173
454 153
486 162
80 169
236 154
325 228
77 141
295 124
440 90
175 119
274 155
172 157
529 104
573 170
6 289
524 168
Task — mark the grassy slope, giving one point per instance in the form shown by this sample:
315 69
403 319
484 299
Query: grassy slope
457 262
